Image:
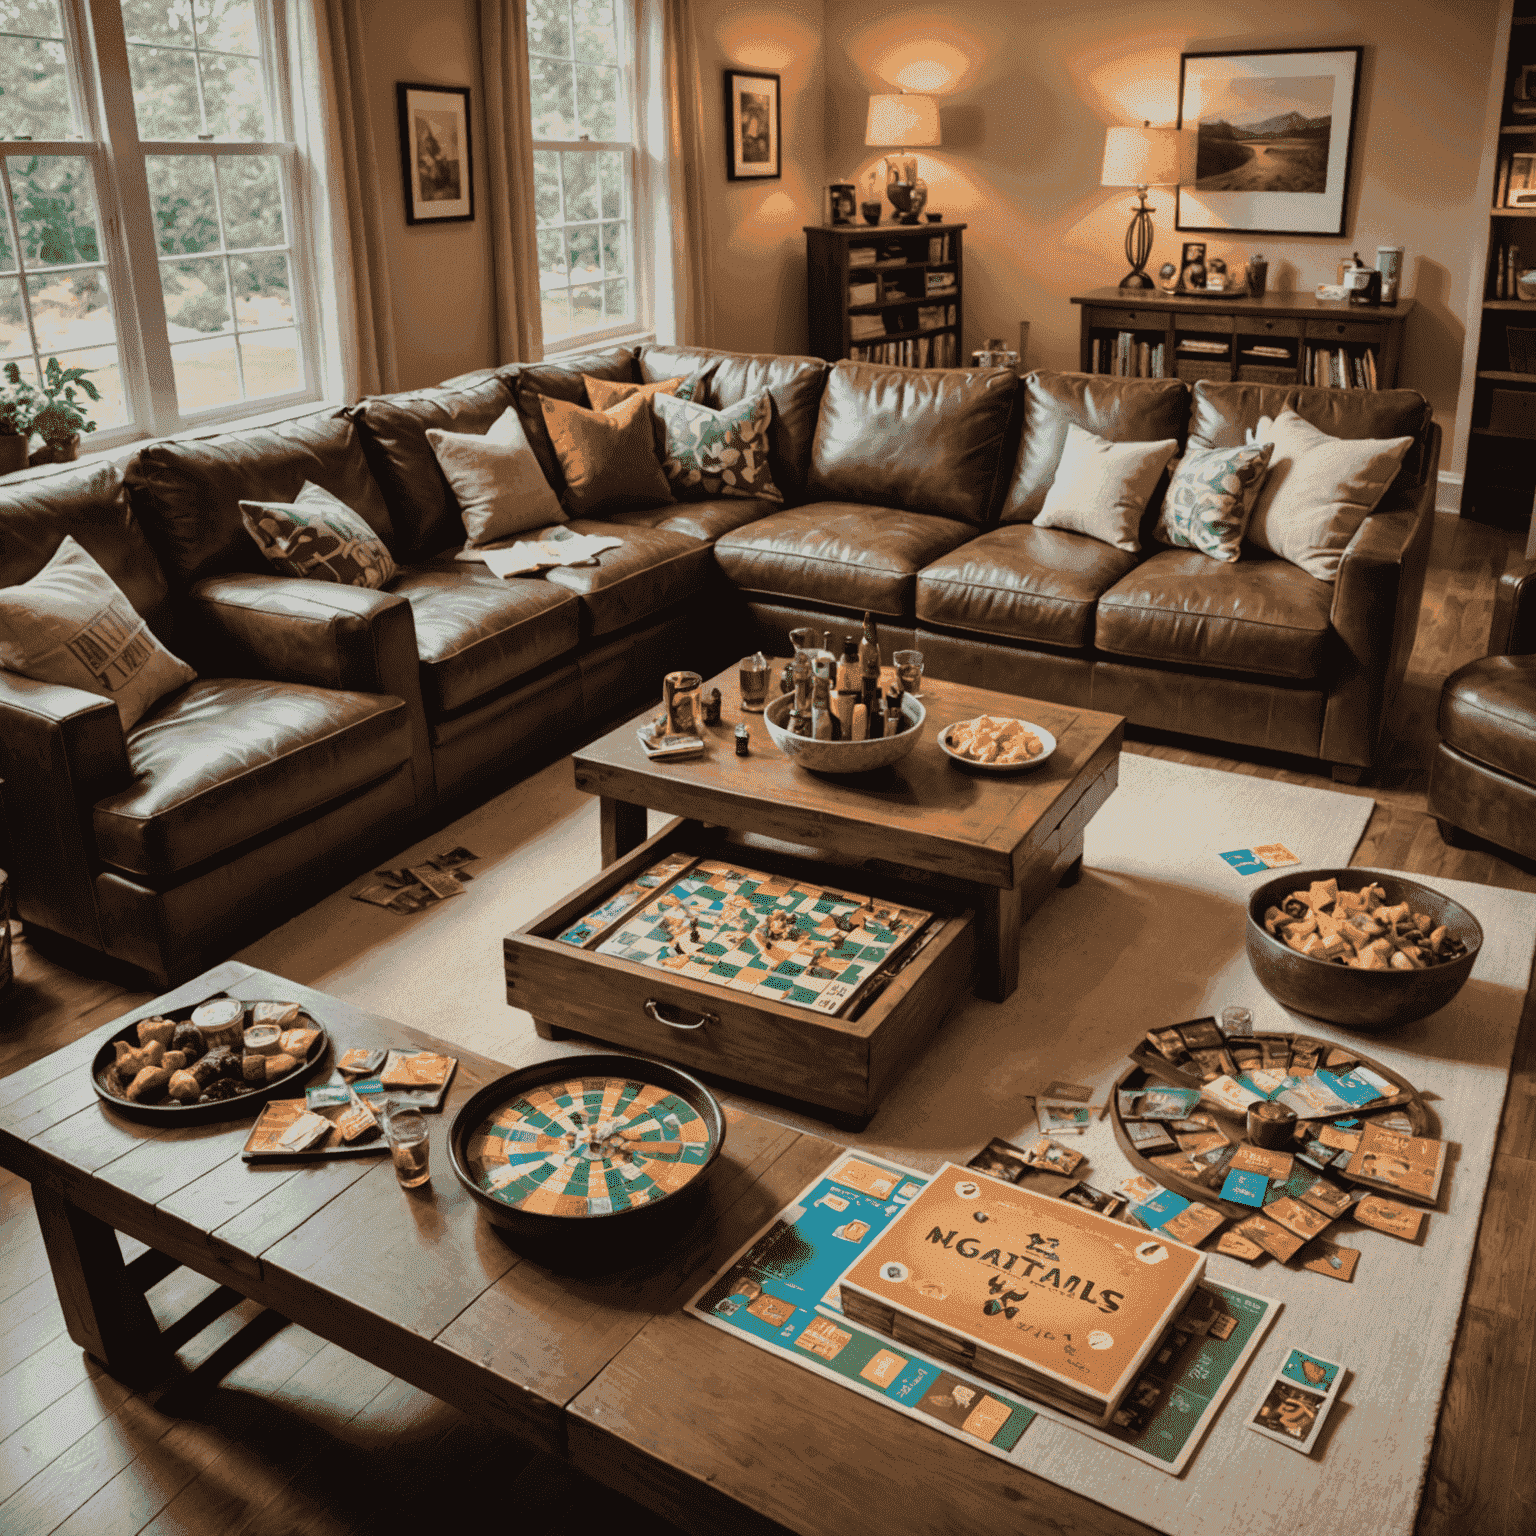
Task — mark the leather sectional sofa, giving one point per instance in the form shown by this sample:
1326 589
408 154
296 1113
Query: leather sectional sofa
325 719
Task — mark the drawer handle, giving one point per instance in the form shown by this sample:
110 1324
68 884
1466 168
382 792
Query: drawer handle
654 1008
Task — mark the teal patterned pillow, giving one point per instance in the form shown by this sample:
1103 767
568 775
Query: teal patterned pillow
318 536
1210 498
717 453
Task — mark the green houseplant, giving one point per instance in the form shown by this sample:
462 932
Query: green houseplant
58 420
18 401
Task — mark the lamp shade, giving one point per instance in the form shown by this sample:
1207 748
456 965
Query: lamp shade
1148 157
902 122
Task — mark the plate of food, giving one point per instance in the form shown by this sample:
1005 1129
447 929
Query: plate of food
996 743
218 1060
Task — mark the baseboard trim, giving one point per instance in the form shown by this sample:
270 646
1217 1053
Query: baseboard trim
1448 493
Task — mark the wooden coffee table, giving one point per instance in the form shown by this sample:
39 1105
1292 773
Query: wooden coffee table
1005 840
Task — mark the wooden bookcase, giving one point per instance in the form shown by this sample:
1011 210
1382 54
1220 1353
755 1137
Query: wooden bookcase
1242 339
895 318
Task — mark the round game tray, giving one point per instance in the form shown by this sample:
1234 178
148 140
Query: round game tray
1157 1073
203 1114
554 1108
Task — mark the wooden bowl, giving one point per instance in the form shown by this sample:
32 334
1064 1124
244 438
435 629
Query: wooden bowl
843 756
1338 994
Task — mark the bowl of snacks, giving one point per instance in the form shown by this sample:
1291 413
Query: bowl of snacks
996 743
844 756
1358 947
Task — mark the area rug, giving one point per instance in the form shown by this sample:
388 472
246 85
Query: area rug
1152 934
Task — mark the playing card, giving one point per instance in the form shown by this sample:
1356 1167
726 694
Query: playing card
1137 1189
1275 855
1292 1410
1271 1236
1329 1259
1295 1217
1273 1165
454 858
1001 1159
1165 1103
1236 1246
1046 1153
1061 1118
1390 1217
1228 1094
1193 1224
1076 1092
440 882
1328 1198
1148 1137
377 895
1244 1188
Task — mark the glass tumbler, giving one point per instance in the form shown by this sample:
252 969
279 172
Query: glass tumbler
909 671
409 1146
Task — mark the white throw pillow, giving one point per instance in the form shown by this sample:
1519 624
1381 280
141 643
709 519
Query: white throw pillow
500 488
72 624
1102 488
1319 490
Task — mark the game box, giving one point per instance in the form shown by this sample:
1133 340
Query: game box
1040 1295
588 983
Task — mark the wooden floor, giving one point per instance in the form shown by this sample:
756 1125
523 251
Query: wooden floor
300 1437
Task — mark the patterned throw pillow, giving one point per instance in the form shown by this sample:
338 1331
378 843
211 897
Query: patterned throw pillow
1210 499
713 453
318 536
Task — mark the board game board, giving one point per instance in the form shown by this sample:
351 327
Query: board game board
590 1146
772 936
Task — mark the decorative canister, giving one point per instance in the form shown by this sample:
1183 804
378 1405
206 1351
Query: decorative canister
842 202
682 695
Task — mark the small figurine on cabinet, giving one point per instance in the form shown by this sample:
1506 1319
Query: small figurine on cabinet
1216 274
711 707
1168 277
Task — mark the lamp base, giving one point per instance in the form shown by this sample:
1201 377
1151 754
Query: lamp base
1136 281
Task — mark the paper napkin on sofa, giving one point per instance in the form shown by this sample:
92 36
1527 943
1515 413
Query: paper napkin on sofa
557 546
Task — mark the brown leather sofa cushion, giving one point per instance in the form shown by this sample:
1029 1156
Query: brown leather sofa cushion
1121 410
1263 616
927 441
839 555
650 571
91 504
1032 585
187 490
704 520
476 632
229 759
794 385
561 381
393 429
1488 711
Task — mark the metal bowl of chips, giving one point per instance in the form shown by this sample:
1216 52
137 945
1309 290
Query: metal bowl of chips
844 756
1047 746
1341 994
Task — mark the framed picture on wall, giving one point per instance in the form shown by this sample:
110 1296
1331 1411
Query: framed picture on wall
751 126
1274 132
435 153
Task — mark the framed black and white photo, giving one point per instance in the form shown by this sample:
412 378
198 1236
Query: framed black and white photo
435 153
751 126
1274 138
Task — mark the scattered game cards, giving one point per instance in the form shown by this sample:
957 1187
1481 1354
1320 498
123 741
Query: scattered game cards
1001 1159
1273 1165
1229 1094
1159 1103
1046 1153
1193 1224
1255 861
1076 1093
1236 1246
1092 1199
1271 1236
1389 1217
1058 1118
1293 1409
1331 1260
1148 1137
1410 1166
1244 1188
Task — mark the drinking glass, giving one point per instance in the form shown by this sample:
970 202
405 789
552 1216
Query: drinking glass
1236 1021
755 672
409 1146
909 671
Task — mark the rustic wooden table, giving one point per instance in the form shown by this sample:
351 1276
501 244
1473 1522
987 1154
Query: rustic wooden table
1006 839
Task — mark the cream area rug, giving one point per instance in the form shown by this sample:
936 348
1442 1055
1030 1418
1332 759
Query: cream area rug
1152 934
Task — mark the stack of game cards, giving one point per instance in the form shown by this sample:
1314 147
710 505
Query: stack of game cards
421 885
1297 1400
1047 1166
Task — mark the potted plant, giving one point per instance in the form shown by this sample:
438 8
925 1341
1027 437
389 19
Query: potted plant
58 420
17 403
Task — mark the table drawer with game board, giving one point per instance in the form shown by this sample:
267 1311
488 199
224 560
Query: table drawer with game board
815 981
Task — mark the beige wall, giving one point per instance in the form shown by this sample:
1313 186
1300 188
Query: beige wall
756 239
440 275
1028 88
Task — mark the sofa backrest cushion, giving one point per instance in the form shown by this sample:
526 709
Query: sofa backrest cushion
187 490
393 431
921 440
720 379
1221 415
1121 410
562 381
90 504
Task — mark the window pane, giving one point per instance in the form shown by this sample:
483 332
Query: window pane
165 93
232 97
546 186
549 28
111 410
587 307
196 298
597 102
7 255
551 259
182 202
580 185
34 87
615 249
263 295
611 172
56 209
15 341
616 300
71 310
253 200
271 361
227 26
158 21
554 99
205 372
597 40
556 315
581 244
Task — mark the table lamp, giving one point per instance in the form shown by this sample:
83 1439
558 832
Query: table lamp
903 122
1141 158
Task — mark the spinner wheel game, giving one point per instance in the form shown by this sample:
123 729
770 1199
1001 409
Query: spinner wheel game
584 1148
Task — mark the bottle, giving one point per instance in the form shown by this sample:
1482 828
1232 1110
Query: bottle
800 713
869 652
823 720
895 721
848 674
860 723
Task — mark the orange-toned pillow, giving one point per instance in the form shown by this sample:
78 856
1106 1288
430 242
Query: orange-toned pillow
608 457
606 393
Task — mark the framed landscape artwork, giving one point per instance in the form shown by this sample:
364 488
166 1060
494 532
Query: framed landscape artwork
751 126
435 153
1274 137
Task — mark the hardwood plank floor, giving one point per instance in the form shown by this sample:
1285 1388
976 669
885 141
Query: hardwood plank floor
302 1439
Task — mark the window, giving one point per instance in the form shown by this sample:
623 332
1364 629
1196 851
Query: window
147 210
580 55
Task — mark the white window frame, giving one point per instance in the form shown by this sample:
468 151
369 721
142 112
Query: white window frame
637 202
101 96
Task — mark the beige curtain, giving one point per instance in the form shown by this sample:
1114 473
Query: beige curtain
346 207
509 172
674 187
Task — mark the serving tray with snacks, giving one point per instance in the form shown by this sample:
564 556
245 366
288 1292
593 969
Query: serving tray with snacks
996 744
220 1060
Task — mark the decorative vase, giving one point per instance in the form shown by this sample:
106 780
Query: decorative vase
13 453
871 212
65 452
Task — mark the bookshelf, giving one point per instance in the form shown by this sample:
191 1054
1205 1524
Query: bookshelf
1282 338
886 293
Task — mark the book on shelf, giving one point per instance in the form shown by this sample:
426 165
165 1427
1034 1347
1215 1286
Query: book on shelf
930 317
937 351
863 293
939 282
861 255
938 248
1125 357
863 327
